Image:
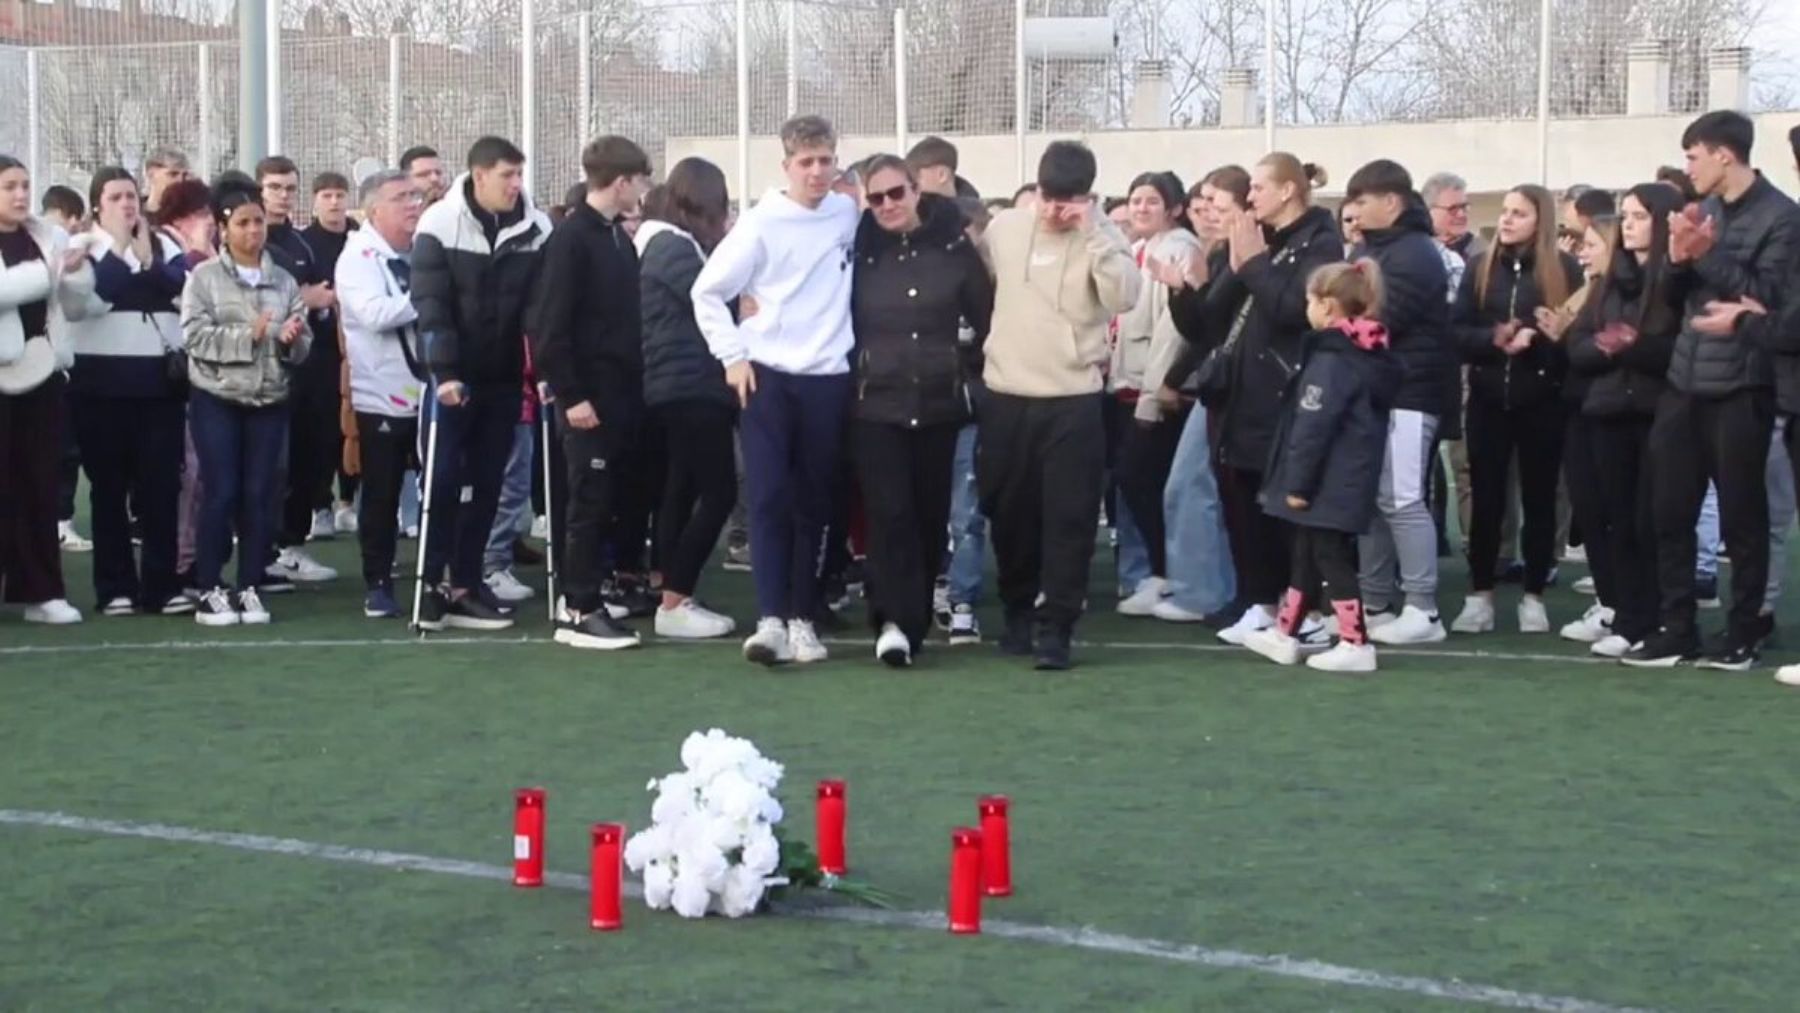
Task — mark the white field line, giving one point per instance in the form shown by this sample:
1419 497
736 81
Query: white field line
1072 938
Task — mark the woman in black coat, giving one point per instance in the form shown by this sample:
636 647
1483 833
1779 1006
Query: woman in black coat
1515 405
918 277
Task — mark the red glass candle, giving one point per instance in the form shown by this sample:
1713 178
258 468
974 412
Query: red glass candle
604 910
996 847
965 881
528 837
831 813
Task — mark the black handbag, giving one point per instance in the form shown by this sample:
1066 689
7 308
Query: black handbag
1213 379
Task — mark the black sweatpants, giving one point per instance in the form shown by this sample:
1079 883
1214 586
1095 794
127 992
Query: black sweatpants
389 450
1039 470
1259 542
700 490
1325 572
134 449
593 458
1626 536
315 445
1145 461
31 446
906 475
1495 436
638 483
1724 440
1582 475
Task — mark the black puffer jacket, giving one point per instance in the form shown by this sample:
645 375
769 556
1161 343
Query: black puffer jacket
1778 334
1757 236
911 294
1509 381
1333 435
1268 353
677 364
1629 382
1414 308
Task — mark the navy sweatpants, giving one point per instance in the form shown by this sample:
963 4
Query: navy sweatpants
474 440
792 434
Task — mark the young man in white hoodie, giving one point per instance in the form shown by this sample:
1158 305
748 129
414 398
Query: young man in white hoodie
789 365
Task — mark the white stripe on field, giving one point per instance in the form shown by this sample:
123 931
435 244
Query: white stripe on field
1076 938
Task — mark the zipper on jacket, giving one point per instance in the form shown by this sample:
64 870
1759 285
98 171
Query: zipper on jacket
1512 313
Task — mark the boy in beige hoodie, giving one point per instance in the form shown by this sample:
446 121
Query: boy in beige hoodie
1061 272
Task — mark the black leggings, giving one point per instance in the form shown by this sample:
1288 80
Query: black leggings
700 490
1145 461
1259 542
1495 436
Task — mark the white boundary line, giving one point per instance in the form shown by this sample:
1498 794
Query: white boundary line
1077 938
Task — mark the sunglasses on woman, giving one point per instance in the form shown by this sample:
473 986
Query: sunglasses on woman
879 197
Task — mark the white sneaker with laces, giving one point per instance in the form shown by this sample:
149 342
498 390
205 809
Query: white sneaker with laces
692 621
509 588
1414 625
1169 612
120 606
1314 635
1256 617
1583 586
250 608
55 612
1143 601
1274 645
803 643
1532 617
1345 657
1477 616
892 648
70 539
323 526
769 644
296 565
1594 625
1610 646
963 627
345 519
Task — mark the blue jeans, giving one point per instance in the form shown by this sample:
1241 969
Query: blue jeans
1131 555
512 518
240 450
474 442
1706 536
1201 577
968 527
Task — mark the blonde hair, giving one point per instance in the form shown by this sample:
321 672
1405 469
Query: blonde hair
1289 170
1355 287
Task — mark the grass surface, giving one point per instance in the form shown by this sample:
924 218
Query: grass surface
1570 829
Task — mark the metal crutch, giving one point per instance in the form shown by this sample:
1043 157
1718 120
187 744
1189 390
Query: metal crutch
431 434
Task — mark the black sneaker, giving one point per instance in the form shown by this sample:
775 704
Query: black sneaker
595 631
1015 641
492 601
1662 650
1706 592
1051 650
434 609
271 584
1731 654
629 597
471 613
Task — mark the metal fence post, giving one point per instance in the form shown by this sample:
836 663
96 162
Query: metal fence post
584 77
393 109
743 104
1019 107
900 84
272 71
203 73
34 124
528 85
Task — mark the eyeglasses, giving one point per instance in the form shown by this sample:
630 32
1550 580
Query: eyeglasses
879 197
282 187
1452 209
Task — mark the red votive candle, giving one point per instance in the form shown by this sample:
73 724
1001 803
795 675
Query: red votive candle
604 911
831 812
528 837
996 847
965 881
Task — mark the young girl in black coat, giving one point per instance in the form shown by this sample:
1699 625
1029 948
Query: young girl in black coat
1326 462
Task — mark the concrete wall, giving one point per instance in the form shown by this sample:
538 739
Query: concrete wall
1494 155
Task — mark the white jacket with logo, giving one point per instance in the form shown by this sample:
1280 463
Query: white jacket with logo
380 328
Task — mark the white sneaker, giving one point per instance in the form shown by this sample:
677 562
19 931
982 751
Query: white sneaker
1414 625
769 644
1583 586
1169 612
345 519
1575 554
892 647
1788 675
1314 635
1374 620
323 527
509 589
1610 646
692 621
250 608
1477 616
120 606
1143 601
1594 625
803 643
1532 617
1345 657
296 565
55 612
70 539
1256 617
1274 645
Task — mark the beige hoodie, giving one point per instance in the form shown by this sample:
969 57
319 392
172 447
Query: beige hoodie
1148 339
1055 294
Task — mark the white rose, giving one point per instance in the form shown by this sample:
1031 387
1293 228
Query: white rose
764 773
707 863
743 889
734 796
690 897
659 883
762 853
647 846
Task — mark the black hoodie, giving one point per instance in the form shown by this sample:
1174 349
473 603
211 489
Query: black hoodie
1414 310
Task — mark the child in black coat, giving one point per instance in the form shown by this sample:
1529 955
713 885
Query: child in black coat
1326 463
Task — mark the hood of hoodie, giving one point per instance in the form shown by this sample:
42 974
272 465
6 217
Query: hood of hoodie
456 220
778 206
651 228
940 221
1413 218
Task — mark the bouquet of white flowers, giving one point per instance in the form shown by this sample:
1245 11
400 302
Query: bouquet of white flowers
714 842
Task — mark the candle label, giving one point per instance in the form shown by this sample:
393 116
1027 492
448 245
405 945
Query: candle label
521 848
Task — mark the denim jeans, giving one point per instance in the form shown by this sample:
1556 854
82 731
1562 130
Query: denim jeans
240 455
512 518
968 528
1706 531
1131 555
1201 577
1780 476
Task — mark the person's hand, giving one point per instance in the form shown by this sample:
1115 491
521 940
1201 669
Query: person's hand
260 329
1569 243
1503 334
1720 317
583 416
1168 398
1296 503
451 393
1171 275
290 331
742 378
318 297
1553 322
1691 235
1246 237
1615 337
72 260
1520 341
140 242
746 307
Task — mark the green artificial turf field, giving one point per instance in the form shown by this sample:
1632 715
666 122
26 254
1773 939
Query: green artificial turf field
1516 818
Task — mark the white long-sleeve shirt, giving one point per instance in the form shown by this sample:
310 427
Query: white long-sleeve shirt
378 316
796 262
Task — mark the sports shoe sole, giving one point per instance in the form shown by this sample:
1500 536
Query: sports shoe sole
1279 657
1726 666
260 620
457 622
964 639
1436 636
214 619
587 641
182 608
1671 661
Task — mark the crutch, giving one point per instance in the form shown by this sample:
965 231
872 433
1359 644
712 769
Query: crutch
544 410
431 434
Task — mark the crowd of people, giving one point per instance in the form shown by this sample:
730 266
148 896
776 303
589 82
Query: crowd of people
871 373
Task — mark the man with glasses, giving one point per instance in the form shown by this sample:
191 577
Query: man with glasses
426 169
1447 197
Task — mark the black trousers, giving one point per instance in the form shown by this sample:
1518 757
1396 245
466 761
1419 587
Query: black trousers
906 475
1039 470
1145 461
1626 537
1259 543
700 490
389 450
1582 475
31 446
315 445
68 472
1724 440
1495 436
134 449
637 491
594 457
1325 572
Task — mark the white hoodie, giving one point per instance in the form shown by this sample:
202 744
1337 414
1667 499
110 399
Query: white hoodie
795 262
